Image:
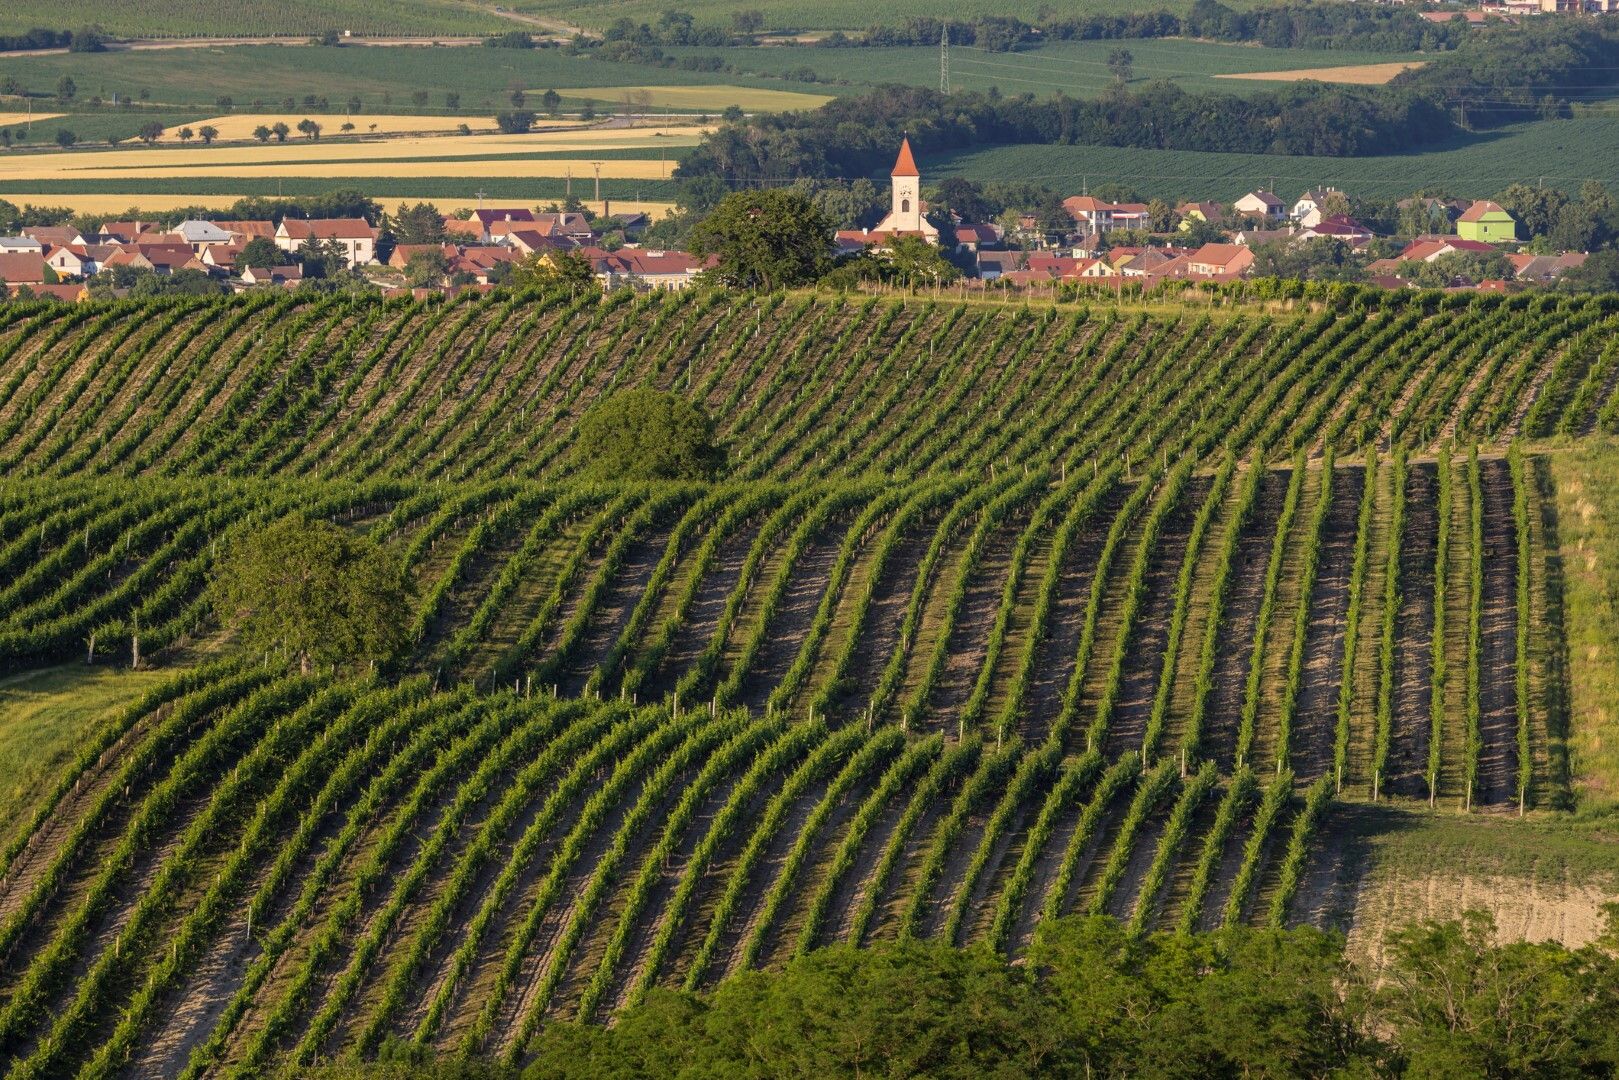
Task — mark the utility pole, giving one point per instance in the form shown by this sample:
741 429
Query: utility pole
598 167
570 181
944 58
480 194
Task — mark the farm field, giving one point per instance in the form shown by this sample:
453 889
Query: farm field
1076 68
240 126
1562 153
296 18
715 98
1357 74
1191 614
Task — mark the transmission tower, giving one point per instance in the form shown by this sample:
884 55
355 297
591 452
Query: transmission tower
944 58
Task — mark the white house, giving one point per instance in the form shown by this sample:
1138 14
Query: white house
201 234
1310 208
1261 204
357 238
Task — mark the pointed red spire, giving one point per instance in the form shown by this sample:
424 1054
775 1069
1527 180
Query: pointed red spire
905 164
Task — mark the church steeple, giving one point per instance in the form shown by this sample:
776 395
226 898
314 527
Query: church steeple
905 164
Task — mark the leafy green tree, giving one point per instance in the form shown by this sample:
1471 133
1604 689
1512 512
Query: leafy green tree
1462 1004
280 131
66 88
1121 62
766 239
1469 267
310 128
185 134
418 224
1536 208
260 253
551 101
425 268
452 101
544 269
65 138
646 434
1311 260
312 591
262 133
151 132
514 121
749 22
208 133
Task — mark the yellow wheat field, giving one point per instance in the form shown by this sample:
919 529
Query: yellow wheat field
700 97
242 125
12 119
1356 74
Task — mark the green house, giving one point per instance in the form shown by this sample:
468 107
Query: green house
1486 222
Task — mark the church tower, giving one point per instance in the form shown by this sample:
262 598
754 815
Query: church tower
905 207
906 212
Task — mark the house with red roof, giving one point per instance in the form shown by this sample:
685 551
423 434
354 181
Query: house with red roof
354 235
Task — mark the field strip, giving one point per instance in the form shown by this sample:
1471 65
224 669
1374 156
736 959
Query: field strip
1357 74
699 97
9 118
615 169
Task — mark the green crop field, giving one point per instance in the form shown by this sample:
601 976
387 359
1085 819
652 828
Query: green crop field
1563 153
254 18
998 612
1078 68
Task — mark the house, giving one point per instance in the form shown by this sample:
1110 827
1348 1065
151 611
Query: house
654 269
1310 208
22 268
971 238
354 235
21 245
481 261
1098 216
70 261
273 275
1429 248
1487 223
200 234
1545 268
403 253
70 293
1255 237
122 232
59 235
561 225
994 264
1210 213
222 256
1338 227
248 230
1261 204
485 219
166 258
1219 260
905 209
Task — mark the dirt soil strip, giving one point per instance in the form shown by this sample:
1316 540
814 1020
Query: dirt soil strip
608 620
1316 718
879 635
1413 656
807 583
969 639
1498 648
1144 655
1241 617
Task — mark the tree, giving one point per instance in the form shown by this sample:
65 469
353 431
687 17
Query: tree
518 97
452 101
1334 204
225 103
1121 62
310 128
65 138
1309 260
312 591
426 268
647 434
514 122
1160 216
913 262
551 101
419 224
260 253
545 269
262 133
208 133
418 98
748 22
151 132
280 131
88 39
185 134
66 88
765 239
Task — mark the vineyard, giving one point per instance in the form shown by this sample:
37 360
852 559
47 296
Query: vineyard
1002 612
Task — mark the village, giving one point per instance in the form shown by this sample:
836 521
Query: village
1469 245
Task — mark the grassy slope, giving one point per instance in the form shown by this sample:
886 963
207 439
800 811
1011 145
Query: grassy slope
44 716
1587 477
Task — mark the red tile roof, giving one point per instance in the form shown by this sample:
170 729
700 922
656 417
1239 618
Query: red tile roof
905 164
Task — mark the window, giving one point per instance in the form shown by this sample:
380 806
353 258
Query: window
905 206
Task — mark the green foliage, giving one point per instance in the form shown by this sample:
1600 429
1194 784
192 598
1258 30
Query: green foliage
312 591
765 239
647 435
